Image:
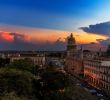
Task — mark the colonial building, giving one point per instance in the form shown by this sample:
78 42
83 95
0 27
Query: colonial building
94 65
74 64
97 70
37 58
97 73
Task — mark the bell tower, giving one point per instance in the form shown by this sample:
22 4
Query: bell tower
71 45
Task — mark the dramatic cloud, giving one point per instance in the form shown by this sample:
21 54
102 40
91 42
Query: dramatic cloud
104 42
6 36
10 37
25 38
15 41
101 43
99 40
91 46
101 28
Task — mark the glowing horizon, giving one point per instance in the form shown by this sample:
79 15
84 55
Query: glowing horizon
39 23
43 35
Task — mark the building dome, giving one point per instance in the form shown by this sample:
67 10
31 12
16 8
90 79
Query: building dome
71 39
71 43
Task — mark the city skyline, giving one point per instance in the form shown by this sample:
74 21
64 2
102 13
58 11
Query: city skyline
45 24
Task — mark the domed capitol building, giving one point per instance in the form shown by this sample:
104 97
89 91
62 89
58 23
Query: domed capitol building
92 67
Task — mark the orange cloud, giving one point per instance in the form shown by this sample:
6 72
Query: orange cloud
10 37
89 37
42 35
6 36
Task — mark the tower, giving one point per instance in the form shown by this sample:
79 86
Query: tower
108 51
81 52
71 45
100 52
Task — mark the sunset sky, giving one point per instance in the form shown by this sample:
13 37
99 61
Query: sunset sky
45 24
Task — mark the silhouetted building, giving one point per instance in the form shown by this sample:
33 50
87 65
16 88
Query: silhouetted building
74 64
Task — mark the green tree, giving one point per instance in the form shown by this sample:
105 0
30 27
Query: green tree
13 96
24 65
4 62
14 80
53 84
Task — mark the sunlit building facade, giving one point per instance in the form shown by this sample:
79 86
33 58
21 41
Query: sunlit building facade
97 73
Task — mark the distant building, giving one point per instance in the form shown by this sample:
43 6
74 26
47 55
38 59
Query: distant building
56 59
37 58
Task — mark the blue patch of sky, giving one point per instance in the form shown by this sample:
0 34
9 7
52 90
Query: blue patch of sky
53 14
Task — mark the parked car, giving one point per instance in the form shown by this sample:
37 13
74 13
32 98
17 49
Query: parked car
93 91
102 99
78 84
99 95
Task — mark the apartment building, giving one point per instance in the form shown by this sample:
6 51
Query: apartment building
97 73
